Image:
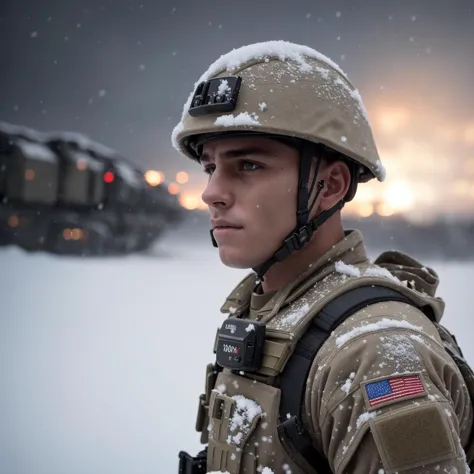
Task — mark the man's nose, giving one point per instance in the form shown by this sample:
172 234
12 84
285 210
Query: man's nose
218 191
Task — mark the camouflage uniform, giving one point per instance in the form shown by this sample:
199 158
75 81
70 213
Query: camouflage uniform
382 393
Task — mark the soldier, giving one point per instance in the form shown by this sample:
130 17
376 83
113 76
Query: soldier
327 361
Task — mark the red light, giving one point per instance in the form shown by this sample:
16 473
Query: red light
109 177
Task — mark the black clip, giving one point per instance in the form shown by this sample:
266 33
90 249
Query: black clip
214 241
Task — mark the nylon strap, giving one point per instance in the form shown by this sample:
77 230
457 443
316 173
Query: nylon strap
292 432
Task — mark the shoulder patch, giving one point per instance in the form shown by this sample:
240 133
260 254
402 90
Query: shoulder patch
387 390
416 436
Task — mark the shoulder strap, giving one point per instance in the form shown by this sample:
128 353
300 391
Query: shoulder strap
292 381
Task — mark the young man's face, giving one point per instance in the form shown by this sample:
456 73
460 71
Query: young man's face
252 196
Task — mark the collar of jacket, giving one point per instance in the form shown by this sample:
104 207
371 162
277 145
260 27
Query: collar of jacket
350 250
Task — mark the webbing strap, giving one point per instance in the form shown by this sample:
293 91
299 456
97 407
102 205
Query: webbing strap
292 381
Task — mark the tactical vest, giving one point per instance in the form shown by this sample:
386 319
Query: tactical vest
244 433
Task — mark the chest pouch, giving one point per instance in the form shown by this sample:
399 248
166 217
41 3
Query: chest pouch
240 345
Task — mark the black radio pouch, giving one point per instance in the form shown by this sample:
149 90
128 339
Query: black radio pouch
240 345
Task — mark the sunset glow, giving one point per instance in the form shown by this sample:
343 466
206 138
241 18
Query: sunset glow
390 120
429 160
469 133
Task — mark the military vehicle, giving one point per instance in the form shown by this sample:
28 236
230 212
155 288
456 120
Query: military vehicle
64 193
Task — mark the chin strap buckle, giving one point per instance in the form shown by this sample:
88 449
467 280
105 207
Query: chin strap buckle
294 242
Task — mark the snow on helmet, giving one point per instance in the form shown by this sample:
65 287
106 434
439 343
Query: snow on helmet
280 88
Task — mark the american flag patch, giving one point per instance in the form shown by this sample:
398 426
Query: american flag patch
394 389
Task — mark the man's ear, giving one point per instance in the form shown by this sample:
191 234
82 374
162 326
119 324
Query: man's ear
337 180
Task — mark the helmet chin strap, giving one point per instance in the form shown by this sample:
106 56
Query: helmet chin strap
304 229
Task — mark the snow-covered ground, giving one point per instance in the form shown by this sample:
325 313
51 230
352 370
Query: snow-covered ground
102 360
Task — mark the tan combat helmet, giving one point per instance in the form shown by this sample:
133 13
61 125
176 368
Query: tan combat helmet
290 92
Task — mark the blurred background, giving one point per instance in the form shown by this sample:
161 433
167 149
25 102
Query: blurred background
106 274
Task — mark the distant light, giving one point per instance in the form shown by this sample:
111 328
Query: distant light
154 177
384 210
399 196
76 234
29 175
173 188
189 202
81 164
13 221
73 234
109 177
365 209
182 177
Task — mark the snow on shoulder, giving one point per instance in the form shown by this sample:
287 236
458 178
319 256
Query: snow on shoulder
384 323
372 271
346 269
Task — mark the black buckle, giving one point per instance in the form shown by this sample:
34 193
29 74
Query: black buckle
192 465
295 434
296 241
299 239
216 95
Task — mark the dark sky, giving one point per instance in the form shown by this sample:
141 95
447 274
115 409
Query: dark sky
120 71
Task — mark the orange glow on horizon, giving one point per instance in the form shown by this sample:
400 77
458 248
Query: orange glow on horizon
469 133
392 119
427 153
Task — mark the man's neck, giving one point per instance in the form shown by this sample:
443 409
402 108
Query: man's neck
297 263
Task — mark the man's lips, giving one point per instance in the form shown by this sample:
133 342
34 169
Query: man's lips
223 232
222 224
226 227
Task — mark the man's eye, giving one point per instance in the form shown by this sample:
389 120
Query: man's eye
249 166
209 170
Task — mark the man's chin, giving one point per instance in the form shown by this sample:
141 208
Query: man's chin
236 258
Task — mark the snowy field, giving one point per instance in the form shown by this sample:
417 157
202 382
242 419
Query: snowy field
102 360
